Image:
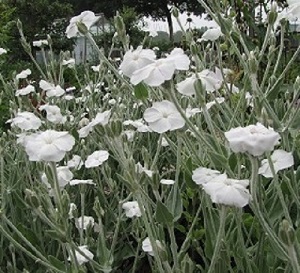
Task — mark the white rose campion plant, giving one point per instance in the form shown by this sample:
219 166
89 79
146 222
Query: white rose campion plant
163 163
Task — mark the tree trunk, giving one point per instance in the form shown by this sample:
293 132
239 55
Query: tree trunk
170 24
168 14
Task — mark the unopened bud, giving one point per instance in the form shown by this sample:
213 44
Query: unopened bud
272 16
82 28
175 12
286 233
253 65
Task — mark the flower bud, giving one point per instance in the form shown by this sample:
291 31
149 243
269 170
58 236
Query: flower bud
97 208
31 198
194 49
119 25
82 28
116 127
286 233
253 65
175 12
272 16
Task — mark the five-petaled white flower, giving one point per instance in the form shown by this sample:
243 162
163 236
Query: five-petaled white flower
132 209
136 59
101 118
53 113
88 18
179 58
49 145
202 176
25 90
140 169
163 116
64 176
84 222
69 63
96 159
211 34
230 192
75 162
154 74
209 79
51 89
253 139
80 258
23 74
147 247
280 159
25 121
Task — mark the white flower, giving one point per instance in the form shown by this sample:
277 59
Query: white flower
87 18
69 63
180 60
138 124
84 222
96 159
25 121
154 74
96 68
230 192
129 134
51 89
101 118
49 145
80 258
208 78
23 74
2 51
211 34
85 130
167 181
190 112
203 176
40 43
163 116
76 162
212 103
64 176
164 142
53 113
280 159
147 247
81 181
140 169
132 209
136 59
25 90
253 139
71 210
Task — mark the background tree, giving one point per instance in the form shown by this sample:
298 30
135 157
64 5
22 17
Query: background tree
156 9
39 18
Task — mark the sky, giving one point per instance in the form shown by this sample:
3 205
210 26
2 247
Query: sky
197 22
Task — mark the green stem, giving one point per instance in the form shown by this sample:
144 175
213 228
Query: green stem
39 256
287 67
107 62
293 258
257 210
56 186
220 237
